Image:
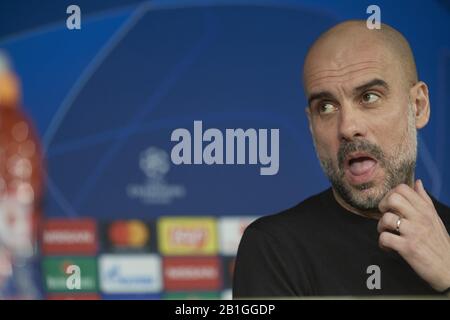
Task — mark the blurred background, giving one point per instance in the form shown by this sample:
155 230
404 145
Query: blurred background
86 117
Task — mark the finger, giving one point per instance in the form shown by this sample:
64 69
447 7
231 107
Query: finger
388 222
397 203
388 240
410 194
418 186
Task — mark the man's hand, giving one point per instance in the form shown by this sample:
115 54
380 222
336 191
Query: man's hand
422 240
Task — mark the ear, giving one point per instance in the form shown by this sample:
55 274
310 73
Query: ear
421 102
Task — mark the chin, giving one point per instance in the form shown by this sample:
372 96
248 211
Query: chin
367 196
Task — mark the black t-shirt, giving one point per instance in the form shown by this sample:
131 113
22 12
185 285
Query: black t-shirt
318 248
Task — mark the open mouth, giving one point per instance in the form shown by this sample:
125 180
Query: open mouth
360 167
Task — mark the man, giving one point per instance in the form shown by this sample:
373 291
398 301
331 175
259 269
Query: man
376 231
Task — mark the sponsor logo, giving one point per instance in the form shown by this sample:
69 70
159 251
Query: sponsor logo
130 273
128 235
230 231
55 273
64 236
191 273
187 236
155 164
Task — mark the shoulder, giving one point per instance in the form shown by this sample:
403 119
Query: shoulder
297 218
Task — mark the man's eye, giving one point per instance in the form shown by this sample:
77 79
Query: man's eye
370 98
327 108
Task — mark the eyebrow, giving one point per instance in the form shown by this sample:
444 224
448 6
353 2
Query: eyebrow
370 84
328 95
320 95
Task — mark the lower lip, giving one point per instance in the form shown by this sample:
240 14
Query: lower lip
365 177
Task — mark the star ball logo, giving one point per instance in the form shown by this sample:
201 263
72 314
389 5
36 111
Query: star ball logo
154 163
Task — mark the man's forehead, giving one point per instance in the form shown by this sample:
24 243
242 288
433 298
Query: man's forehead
346 66
338 60
346 77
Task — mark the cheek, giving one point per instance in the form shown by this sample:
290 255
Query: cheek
326 144
391 130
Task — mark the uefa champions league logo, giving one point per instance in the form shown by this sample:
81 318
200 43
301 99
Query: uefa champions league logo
155 163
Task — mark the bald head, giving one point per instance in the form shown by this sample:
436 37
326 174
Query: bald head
335 48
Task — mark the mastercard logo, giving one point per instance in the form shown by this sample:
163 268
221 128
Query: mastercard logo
132 233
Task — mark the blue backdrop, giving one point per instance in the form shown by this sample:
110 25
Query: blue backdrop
102 95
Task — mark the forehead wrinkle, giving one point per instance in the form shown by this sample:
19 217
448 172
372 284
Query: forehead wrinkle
347 66
344 76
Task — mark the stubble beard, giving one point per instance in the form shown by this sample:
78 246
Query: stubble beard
398 167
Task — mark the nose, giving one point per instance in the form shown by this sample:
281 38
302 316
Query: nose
351 124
